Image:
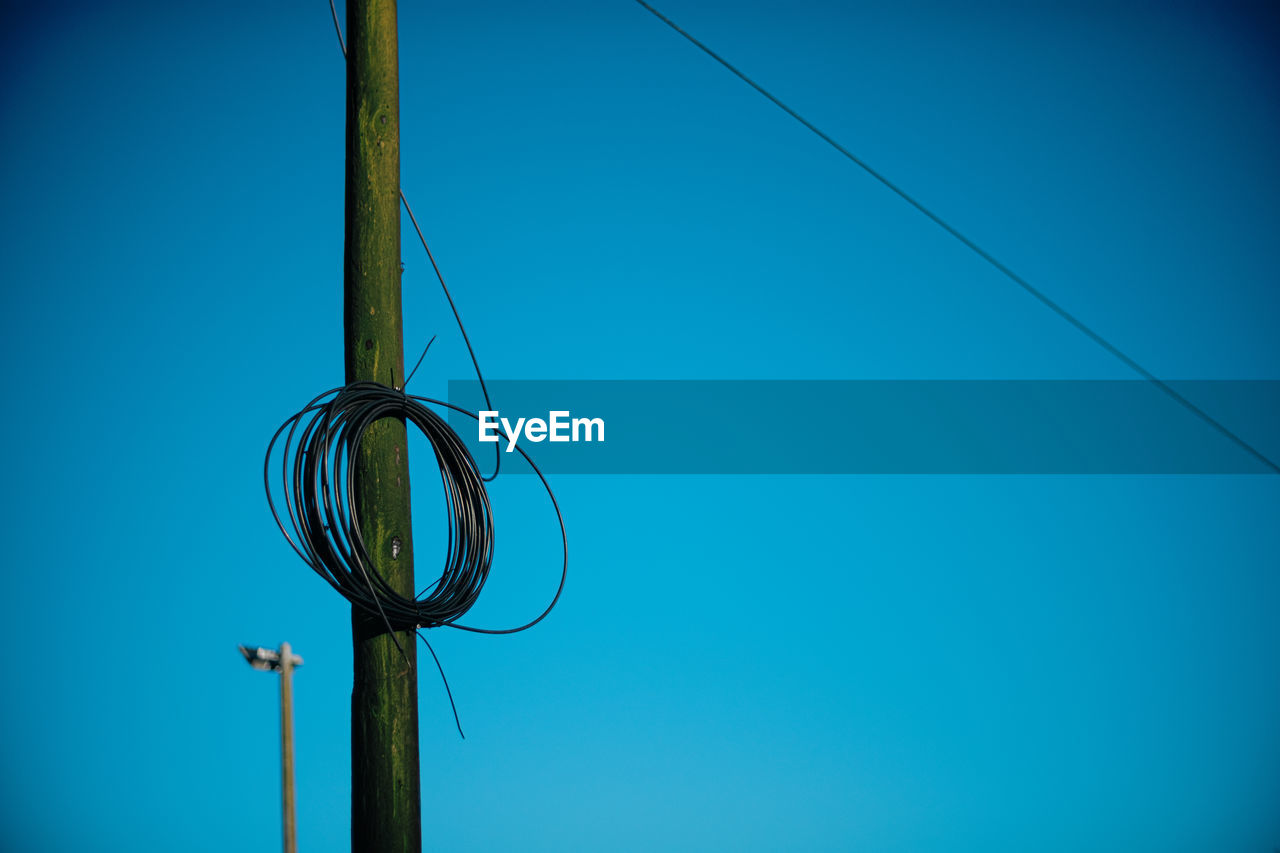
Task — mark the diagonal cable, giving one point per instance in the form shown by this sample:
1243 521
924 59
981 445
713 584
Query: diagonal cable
980 252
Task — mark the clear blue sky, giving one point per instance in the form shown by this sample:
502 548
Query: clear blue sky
739 663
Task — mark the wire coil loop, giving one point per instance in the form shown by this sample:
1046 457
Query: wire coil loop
321 520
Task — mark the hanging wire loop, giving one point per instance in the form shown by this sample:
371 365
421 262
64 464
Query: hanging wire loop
316 510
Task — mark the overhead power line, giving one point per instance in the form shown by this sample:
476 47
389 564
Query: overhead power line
978 250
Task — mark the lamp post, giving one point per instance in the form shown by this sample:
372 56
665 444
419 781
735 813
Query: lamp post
282 661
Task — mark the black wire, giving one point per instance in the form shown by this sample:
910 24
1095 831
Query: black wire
342 43
457 722
418 363
982 253
484 389
323 522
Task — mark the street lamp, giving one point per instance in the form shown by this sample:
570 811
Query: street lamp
282 661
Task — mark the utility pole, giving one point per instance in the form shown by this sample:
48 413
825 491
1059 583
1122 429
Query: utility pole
282 662
385 793
287 662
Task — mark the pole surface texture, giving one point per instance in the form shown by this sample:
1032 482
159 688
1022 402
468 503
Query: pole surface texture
286 747
385 794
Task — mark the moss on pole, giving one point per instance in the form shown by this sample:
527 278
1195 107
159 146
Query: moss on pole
385 793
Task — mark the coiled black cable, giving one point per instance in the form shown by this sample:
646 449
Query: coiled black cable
319 503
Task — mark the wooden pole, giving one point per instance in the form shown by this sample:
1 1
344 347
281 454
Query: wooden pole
385 794
286 747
